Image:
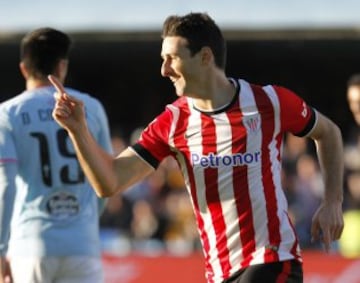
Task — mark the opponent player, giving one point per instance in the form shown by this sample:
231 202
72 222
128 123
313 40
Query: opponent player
226 135
53 211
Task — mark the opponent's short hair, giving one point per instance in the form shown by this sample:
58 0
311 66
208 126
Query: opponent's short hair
41 50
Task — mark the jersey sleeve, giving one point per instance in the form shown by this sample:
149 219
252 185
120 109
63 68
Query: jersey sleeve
8 172
296 115
7 143
153 144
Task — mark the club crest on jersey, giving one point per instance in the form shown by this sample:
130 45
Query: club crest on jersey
62 205
252 123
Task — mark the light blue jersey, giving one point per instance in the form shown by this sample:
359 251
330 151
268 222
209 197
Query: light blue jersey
55 212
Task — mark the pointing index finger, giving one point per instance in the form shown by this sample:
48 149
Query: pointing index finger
57 84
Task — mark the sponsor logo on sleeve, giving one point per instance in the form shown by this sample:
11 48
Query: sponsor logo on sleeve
304 112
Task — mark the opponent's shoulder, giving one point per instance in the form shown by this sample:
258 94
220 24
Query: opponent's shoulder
88 99
13 105
84 96
13 101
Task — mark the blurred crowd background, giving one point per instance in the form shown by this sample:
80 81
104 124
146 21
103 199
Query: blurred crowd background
311 47
123 71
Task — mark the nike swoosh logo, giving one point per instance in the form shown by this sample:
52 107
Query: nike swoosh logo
188 136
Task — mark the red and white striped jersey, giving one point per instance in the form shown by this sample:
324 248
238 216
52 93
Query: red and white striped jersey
231 162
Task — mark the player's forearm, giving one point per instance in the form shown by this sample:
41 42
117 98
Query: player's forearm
96 163
330 153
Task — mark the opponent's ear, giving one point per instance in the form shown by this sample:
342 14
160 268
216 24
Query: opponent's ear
61 69
23 70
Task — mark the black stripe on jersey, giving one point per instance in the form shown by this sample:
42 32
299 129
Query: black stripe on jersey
309 125
146 155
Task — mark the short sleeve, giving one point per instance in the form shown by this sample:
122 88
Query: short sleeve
7 144
153 144
297 116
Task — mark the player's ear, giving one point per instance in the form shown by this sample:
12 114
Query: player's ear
206 55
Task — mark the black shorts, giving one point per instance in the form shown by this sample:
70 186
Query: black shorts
289 271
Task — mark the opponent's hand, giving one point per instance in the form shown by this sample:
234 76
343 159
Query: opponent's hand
5 271
327 223
68 111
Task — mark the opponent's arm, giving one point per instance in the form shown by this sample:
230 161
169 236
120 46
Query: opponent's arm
327 224
106 174
8 172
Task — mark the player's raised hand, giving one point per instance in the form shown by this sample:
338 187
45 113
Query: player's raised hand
68 111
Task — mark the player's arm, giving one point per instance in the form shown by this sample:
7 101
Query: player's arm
107 175
302 120
328 220
104 140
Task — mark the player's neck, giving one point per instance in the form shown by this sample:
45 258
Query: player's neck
36 83
217 97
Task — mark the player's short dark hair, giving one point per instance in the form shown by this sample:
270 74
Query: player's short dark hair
41 50
354 80
200 30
